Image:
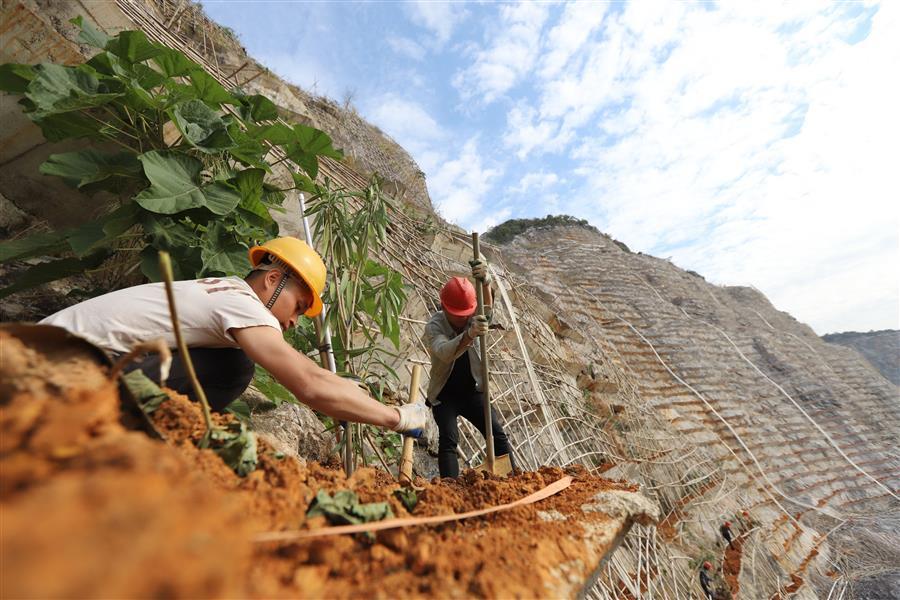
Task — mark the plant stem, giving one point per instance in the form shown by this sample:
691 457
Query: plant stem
165 267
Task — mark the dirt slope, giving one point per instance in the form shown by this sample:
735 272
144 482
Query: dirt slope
112 513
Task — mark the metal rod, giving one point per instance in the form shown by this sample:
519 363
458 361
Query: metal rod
326 351
485 389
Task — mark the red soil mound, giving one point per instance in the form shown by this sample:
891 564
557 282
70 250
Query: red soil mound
90 509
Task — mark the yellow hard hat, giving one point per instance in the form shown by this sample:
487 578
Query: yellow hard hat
305 262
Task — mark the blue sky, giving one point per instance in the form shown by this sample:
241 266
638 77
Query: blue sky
754 143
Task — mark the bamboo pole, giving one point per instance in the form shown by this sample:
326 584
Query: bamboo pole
326 351
485 388
165 265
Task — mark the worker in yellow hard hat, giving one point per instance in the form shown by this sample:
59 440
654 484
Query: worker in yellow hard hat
230 324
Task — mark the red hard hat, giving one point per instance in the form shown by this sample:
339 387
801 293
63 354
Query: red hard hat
707 565
727 523
746 514
458 297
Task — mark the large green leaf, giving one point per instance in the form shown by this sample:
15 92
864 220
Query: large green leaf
174 182
51 271
174 63
261 108
344 508
249 183
175 186
94 169
201 126
167 233
148 395
89 34
102 231
222 253
186 263
209 90
148 78
67 126
221 197
132 46
14 78
56 88
303 183
36 244
316 142
276 133
309 144
306 160
246 149
236 446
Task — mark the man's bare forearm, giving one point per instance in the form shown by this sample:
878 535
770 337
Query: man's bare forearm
311 384
343 400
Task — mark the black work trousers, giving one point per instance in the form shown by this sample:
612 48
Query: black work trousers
224 373
470 406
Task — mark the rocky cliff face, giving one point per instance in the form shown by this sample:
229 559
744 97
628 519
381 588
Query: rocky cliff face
803 431
881 348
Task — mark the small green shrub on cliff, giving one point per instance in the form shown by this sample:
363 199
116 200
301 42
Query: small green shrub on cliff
506 231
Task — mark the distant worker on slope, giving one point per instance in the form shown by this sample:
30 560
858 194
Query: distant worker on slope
455 388
705 581
725 530
231 323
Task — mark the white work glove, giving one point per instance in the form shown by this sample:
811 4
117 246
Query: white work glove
480 271
477 326
412 418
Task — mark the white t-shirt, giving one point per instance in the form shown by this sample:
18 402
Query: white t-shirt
207 309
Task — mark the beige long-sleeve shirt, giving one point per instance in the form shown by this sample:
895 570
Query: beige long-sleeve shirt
443 344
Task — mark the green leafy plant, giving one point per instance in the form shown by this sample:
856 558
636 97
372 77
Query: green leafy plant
236 445
344 508
366 297
182 159
408 497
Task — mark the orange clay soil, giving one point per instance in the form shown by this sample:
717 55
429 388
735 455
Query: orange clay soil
731 566
90 509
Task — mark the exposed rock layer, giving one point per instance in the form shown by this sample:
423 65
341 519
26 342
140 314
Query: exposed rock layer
881 348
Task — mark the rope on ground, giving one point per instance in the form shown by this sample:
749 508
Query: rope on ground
287 536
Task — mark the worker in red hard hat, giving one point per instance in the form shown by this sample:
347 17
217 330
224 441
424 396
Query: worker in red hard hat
725 530
455 388
705 581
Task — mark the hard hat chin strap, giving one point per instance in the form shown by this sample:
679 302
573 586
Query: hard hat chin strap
277 291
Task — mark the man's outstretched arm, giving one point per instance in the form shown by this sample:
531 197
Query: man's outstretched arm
316 387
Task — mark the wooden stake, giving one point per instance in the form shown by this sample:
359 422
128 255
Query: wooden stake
485 391
165 265
406 458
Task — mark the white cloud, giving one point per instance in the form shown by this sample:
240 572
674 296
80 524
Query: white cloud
440 18
579 20
536 182
755 148
459 187
407 122
525 132
406 47
510 55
